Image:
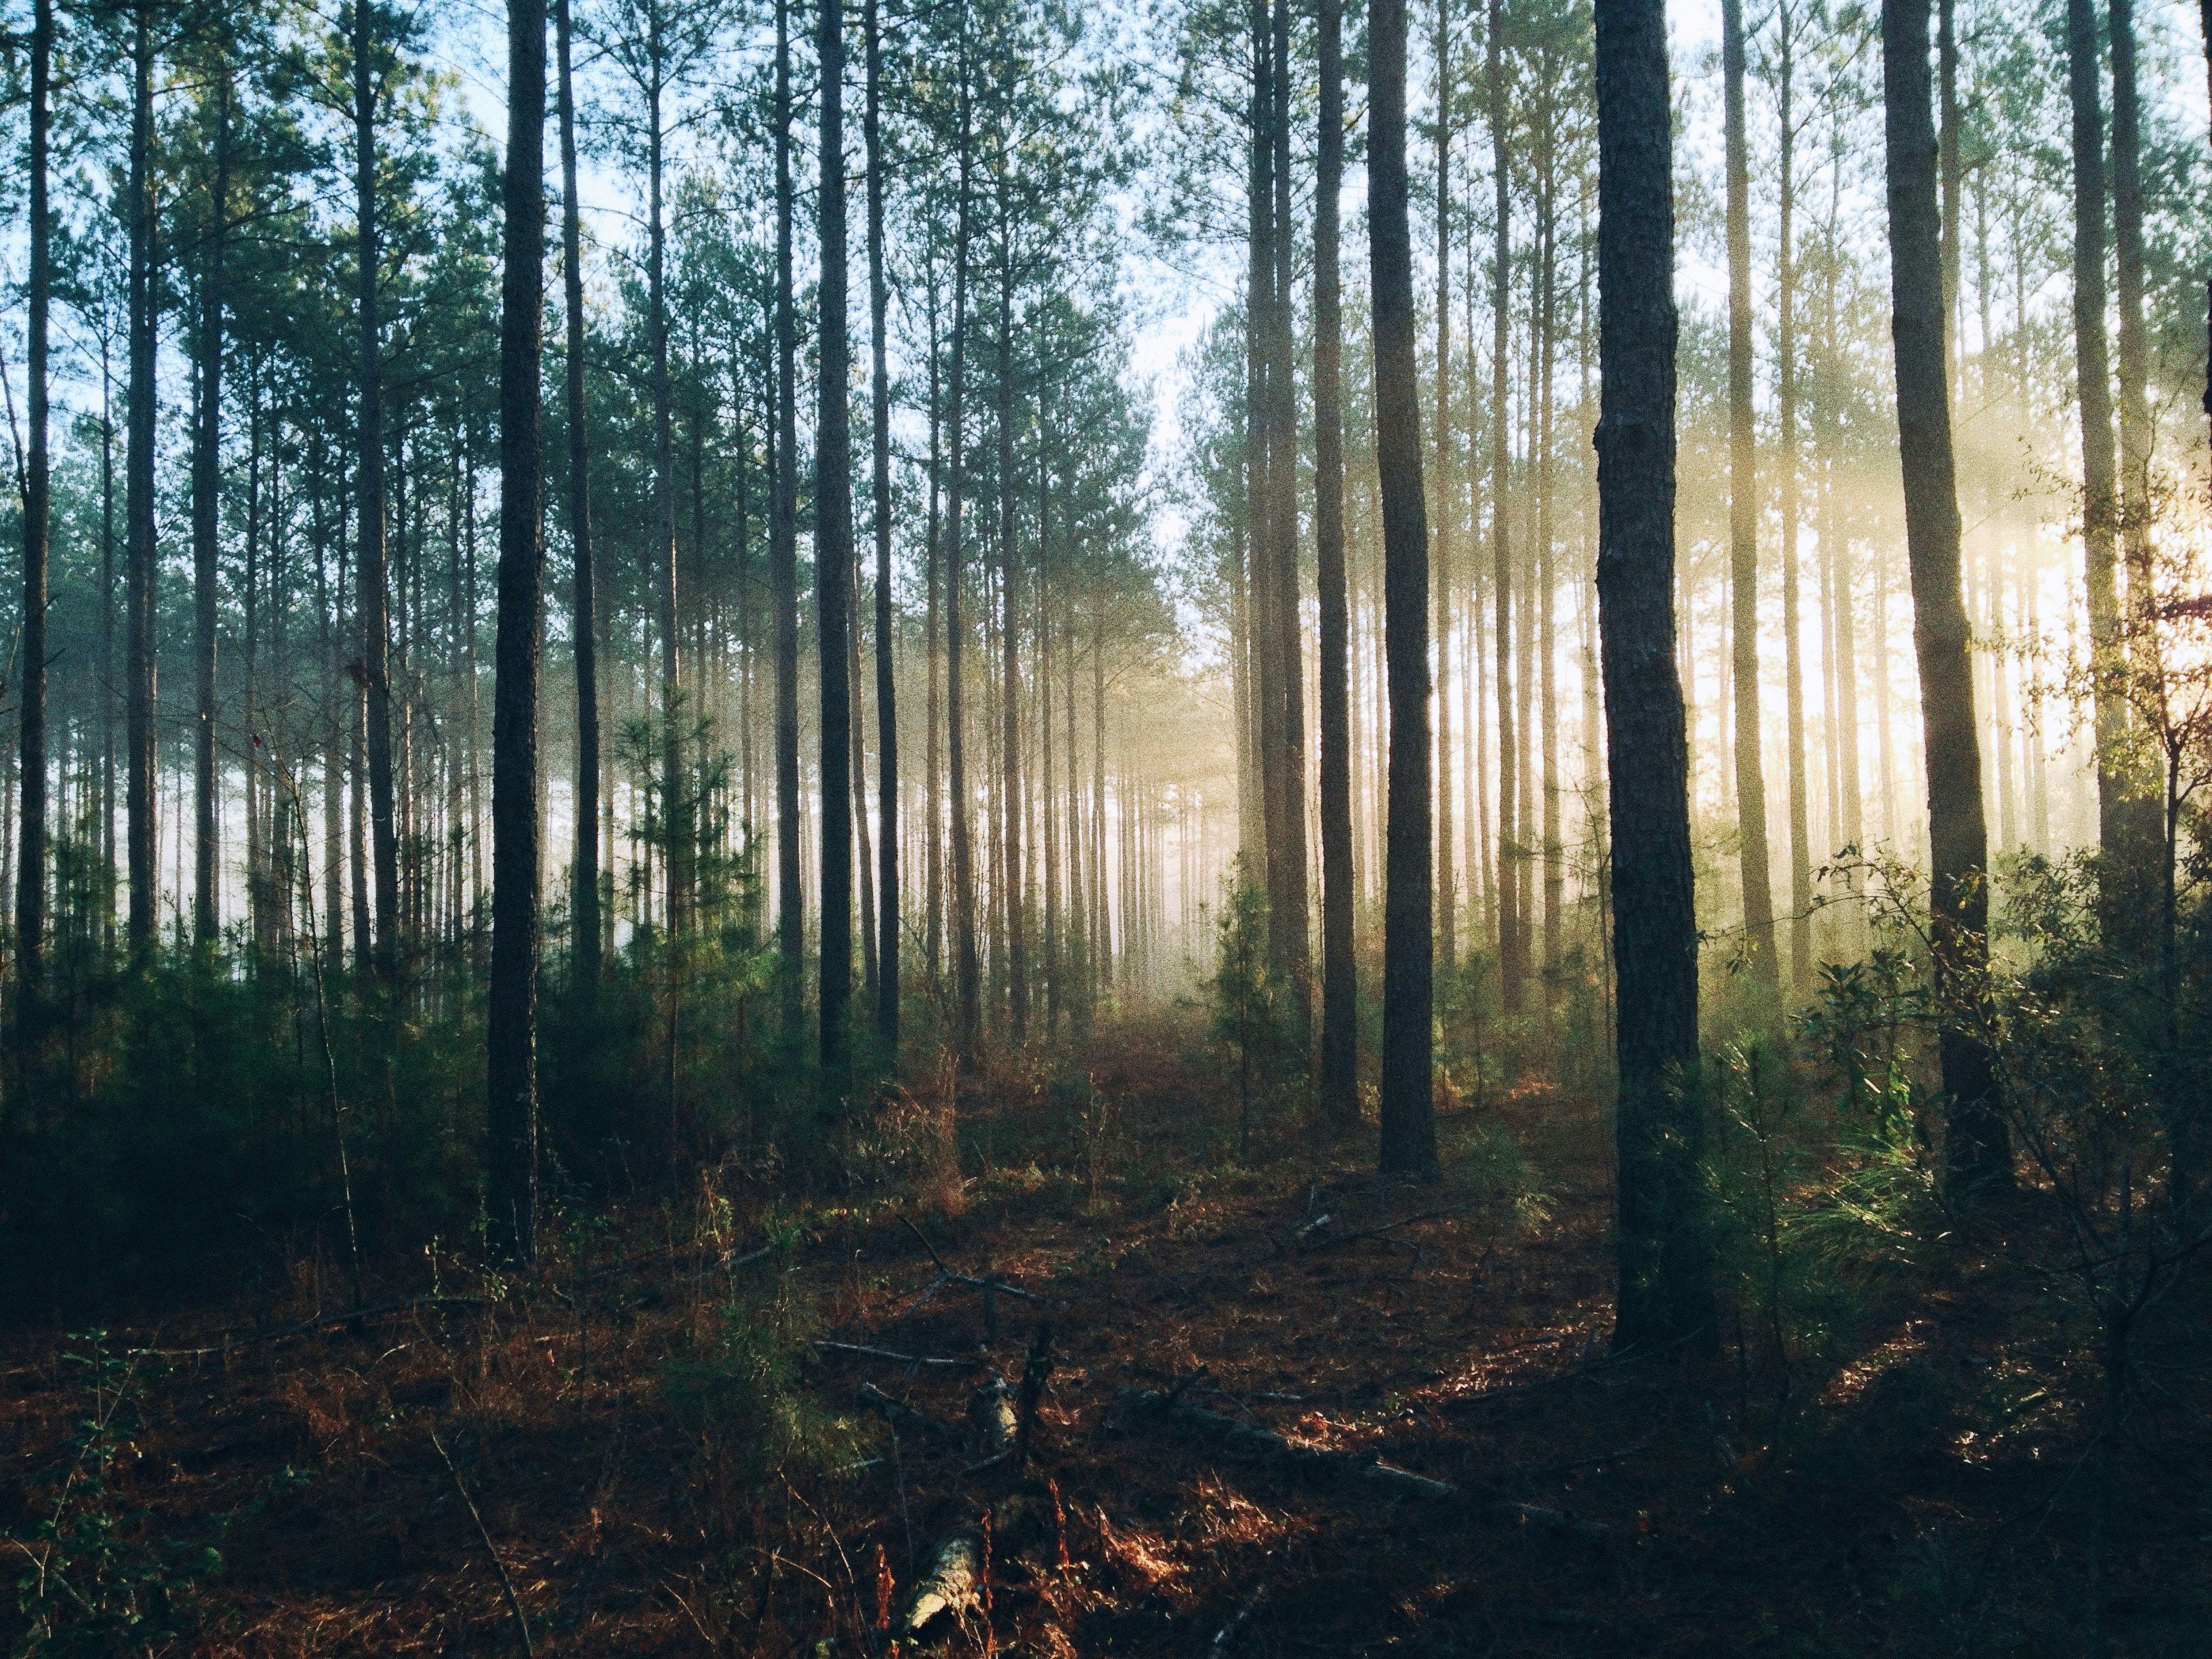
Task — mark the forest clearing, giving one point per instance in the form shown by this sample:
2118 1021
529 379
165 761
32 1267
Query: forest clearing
1207 828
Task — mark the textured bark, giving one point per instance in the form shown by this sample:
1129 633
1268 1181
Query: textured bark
833 565
372 602
1288 904
887 785
1666 1278
1409 1109
583 629
1447 874
511 1033
1976 1153
1340 1008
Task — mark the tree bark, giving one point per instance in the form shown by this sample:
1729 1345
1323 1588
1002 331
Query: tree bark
833 566
207 507
1339 996
1512 945
1801 859
374 602
138 500
967 969
584 880
511 1033
783 561
1409 1111
31 862
1447 872
1743 532
1977 1152
887 785
1666 1292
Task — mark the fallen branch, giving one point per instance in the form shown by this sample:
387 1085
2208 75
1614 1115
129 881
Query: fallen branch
1225 1638
950 1275
1331 1241
506 1583
905 1419
1245 1439
859 1351
232 1341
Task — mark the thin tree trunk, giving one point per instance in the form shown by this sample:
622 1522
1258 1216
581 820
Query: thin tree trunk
1408 1126
30 860
833 564
1666 1292
1512 947
511 1033
373 603
583 630
1977 1152
1288 904
207 505
1447 873
887 786
1743 532
1801 855
783 561
1340 1004
968 973
1013 867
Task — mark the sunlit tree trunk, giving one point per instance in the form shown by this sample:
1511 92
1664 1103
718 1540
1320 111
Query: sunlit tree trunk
1340 1024
1666 1293
887 785
1800 836
1512 946
1408 1127
1977 1151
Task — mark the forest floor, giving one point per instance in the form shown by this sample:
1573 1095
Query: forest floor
647 1447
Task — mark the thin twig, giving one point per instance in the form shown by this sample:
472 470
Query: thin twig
506 1583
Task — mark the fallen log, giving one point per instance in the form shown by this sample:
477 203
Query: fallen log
860 1350
953 1584
993 1410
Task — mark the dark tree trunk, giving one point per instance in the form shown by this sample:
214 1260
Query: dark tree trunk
1409 1109
1447 874
138 500
1801 857
511 1035
1512 943
968 969
369 560
1666 1292
1743 532
675 816
833 566
887 777
1977 1152
584 879
1339 1006
31 865
1013 867
783 560
207 508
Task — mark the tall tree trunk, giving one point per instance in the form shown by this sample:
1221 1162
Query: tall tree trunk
2134 503
2120 906
511 1033
1409 1109
1340 995
1977 1152
1512 946
967 969
372 602
1949 167
138 499
1666 1292
1801 856
1447 882
1262 639
887 784
783 561
1014 864
1743 530
933 804
833 565
31 863
1288 902
583 629
674 815
207 507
